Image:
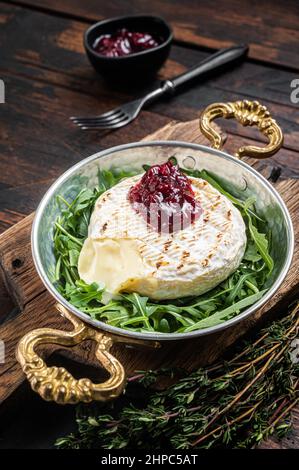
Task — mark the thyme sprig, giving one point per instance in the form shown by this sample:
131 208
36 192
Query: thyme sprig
235 403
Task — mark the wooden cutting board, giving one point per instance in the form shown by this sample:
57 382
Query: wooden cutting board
25 304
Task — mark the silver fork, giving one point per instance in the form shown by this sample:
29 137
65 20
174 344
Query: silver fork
125 114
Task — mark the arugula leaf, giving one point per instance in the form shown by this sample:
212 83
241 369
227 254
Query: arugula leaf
140 307
261 243
83 294
74 256
227 313
251 253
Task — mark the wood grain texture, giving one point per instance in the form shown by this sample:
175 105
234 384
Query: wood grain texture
62 44
270 27
36 306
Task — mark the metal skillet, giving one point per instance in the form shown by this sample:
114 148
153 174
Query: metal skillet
56 383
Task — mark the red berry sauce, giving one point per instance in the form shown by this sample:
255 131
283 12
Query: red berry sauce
164 196
124 42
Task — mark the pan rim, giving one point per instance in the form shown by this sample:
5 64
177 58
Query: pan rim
159 336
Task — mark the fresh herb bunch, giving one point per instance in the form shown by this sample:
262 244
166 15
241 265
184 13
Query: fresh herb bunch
134 312
232 404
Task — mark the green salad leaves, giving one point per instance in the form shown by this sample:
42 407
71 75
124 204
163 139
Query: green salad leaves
134 312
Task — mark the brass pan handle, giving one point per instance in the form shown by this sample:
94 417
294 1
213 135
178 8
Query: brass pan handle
56 383
247 113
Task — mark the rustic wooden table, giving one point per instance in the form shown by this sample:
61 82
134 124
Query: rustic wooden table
48 78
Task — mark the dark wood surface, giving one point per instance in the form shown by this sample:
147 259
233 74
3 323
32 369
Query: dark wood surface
270 25
32 306
48 78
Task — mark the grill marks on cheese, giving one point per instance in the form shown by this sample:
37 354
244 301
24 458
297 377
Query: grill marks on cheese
125 254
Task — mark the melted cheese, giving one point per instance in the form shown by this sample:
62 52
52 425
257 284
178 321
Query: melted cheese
126 254
110 261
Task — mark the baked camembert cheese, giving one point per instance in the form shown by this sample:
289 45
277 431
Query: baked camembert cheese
126 253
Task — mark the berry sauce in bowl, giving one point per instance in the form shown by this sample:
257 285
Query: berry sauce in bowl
124 42
128 49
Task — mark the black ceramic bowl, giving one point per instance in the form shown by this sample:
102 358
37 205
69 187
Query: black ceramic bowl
139 66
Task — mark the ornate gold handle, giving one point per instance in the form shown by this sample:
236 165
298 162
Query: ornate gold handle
247 113
56 383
